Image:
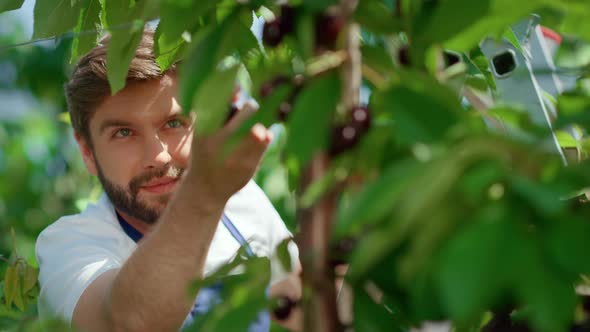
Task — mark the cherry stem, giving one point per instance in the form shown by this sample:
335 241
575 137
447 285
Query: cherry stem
2 258
351 74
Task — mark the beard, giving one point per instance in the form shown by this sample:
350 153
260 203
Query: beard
127 200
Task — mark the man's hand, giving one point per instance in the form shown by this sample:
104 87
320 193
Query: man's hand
221 173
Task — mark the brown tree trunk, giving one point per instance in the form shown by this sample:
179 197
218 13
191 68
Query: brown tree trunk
319 294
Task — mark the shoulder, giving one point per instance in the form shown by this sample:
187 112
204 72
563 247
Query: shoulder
73 251
97 223
252 199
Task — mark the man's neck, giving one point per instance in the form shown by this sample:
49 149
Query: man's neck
139 225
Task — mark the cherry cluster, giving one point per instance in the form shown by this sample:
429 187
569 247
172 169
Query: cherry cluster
286 106
343 136
340 251
327 28
346 136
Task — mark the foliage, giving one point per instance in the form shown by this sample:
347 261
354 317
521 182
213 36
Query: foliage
450 219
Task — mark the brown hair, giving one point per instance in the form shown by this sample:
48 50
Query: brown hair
88 86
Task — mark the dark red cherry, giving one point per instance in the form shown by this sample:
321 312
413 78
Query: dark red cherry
288 14
327 29
586 304
341 250
267 88
272 33
403 56
284 307
284 110
343 138
360 118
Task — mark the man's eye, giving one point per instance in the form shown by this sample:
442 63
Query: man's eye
174 123
123 132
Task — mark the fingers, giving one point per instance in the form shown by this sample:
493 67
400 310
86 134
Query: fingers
245 112
258 135
254 144
248 147
261 134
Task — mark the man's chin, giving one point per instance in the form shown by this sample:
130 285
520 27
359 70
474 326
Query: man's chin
155 202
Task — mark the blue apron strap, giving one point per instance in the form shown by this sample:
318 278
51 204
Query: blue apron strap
135 235
236 234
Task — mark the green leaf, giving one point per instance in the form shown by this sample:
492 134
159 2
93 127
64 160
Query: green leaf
549 299
479 61
566 140
319 187
318 5
573 18
210 46
510 36
377 199
370 316
64 117
177 17
450 18
573 108
422 110
13 238
424 306
542 197
211 103
87 29
221 272
305 34
243 297
283 254
10 286
567 243
30 278
13 288
500 14
7 5
317 102
126 27
472 273
376 17
54 17
267 114
377 59
125 20
121 51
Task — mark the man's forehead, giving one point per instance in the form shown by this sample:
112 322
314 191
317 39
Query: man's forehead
156 97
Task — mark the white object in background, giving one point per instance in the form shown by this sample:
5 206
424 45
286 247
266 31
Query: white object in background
516 82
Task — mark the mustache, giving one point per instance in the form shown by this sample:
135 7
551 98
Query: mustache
166 171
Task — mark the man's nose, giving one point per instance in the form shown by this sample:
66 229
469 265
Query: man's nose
156 152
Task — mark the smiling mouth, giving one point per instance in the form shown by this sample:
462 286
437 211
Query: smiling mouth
162 186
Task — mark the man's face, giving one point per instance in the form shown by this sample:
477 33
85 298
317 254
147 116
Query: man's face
140 147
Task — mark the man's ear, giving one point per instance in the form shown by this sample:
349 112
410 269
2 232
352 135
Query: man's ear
87 154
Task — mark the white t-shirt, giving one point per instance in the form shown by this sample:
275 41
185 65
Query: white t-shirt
76 249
